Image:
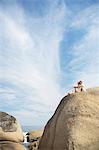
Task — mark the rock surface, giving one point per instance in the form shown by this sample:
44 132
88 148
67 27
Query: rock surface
35 135
75 123
6 145
11 135
34 138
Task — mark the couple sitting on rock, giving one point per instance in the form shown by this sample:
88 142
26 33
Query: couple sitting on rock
79 87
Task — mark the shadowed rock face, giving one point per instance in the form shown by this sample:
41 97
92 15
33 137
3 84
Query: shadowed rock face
75 123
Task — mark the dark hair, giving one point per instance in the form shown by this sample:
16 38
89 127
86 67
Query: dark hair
80 82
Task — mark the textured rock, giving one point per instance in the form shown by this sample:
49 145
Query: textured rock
10 129
7 122
75 123
11 136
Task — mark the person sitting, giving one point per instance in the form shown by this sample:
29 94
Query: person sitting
79 87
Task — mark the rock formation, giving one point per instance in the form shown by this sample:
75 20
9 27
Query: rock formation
34 138
11 136
75 123
35 135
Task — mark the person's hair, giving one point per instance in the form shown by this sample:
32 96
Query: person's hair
80 82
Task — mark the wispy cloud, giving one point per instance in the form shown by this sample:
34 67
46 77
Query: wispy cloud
29 62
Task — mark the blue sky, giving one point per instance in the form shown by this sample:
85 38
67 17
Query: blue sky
45 48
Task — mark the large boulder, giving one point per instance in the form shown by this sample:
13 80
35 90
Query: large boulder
10 129
75 123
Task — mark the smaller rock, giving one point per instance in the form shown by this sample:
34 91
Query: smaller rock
35 135
34 138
